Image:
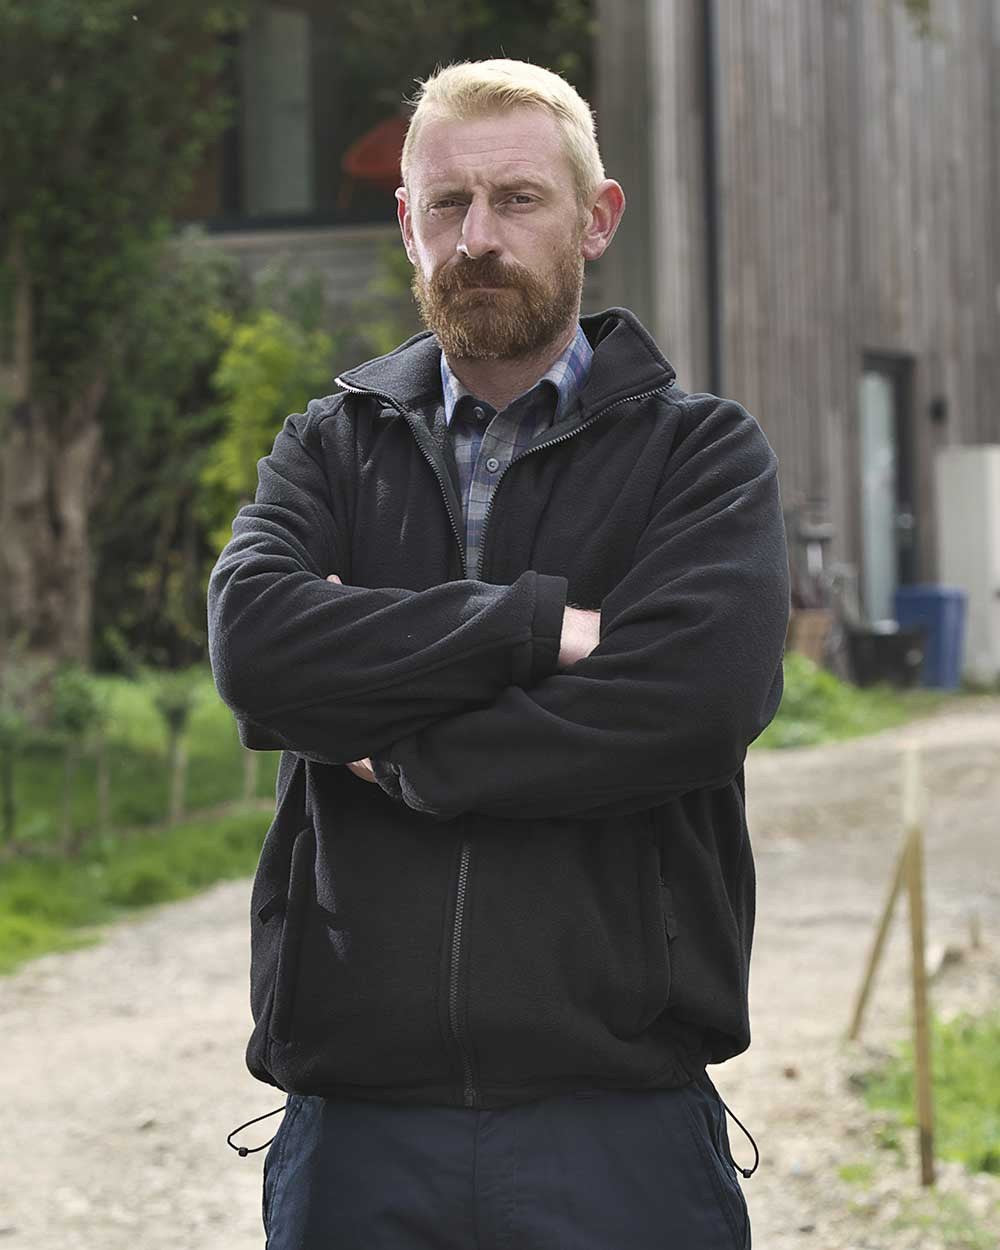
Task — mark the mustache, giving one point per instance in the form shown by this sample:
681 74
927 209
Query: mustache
469 274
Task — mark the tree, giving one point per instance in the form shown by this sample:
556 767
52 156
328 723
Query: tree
159 421
105 110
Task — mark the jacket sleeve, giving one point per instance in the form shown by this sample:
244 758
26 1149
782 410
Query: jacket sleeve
333 672
688 670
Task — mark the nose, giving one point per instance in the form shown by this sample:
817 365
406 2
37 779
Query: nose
480 235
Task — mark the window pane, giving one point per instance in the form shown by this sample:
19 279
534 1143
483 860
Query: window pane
277 113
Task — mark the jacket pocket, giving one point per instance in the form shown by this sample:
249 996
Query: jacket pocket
294 908
564 952
660 927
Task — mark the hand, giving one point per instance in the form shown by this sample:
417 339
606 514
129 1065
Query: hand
360 768
581 632
363 769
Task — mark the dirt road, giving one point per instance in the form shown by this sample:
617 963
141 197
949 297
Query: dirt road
123 1066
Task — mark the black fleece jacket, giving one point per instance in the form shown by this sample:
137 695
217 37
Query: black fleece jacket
552 887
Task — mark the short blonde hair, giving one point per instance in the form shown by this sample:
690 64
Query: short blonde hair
467 89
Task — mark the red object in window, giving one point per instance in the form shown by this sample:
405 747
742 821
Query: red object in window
375 156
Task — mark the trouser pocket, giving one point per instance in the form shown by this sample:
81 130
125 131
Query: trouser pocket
273 1160
706 1116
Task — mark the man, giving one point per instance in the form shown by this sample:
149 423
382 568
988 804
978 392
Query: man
513 604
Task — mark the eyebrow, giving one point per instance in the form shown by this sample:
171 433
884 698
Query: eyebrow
512 184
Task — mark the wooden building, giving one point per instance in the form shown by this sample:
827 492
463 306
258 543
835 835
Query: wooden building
814 230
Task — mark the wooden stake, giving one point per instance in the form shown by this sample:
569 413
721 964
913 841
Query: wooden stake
880 936
913 820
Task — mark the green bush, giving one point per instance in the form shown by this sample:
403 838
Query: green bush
817 707
270 367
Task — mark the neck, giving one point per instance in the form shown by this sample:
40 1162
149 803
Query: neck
500 381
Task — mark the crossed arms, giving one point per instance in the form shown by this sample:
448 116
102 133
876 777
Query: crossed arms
457 694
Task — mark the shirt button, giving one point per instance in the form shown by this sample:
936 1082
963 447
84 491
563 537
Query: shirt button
480 415
493 464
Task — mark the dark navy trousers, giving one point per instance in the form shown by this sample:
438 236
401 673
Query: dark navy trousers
602 1170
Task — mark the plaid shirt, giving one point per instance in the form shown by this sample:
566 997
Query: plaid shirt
485 441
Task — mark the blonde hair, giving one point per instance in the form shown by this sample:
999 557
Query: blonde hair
467 89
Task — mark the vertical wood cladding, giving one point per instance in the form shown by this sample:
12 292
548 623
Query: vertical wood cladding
859 167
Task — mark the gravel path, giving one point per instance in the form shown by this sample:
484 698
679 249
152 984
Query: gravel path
123 1067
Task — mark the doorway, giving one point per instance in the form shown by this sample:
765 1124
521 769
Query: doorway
889 534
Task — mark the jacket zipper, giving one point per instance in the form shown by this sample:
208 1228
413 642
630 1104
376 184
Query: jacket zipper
470 1095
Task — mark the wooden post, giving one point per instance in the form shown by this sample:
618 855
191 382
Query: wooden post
880 936
913 818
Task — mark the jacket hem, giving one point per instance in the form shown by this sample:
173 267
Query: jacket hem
677 1071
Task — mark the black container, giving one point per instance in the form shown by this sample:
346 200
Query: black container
893 655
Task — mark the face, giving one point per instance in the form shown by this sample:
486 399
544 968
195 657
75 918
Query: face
497 238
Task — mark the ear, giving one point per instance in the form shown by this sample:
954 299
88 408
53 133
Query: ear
405 224
607 207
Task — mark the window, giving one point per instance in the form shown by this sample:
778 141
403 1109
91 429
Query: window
319 122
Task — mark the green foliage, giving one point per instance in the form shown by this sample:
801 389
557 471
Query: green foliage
105 116
13 722
136 744
386 47
817 707
175 694
271 367
965 1061
47 904
209 372
160 420
75 702
282 352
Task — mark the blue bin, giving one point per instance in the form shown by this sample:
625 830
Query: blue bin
941 610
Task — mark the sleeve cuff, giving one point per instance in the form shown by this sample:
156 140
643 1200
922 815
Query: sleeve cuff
387 775
551 590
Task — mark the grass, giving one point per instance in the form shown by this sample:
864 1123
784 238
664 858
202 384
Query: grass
51 902
55 904
817 707
965 1062
943 1220
856 1173
965 1055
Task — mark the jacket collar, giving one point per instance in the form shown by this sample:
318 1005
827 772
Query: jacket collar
627 362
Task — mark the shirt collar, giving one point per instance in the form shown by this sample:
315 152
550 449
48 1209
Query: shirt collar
567 375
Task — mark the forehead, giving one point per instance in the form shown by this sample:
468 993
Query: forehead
500 147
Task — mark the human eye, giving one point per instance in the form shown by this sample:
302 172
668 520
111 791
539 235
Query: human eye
442 204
